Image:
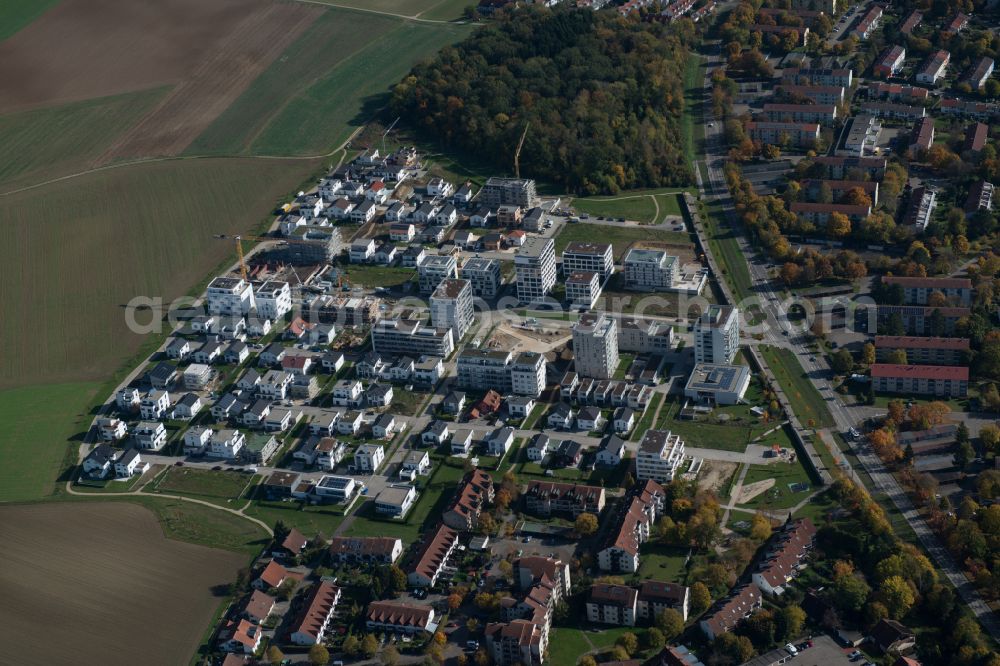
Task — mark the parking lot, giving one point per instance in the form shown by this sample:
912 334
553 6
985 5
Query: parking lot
824 652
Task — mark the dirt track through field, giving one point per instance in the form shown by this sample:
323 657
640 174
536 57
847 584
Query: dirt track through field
190 107
98 583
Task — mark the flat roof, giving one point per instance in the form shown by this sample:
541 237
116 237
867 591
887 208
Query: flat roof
714 378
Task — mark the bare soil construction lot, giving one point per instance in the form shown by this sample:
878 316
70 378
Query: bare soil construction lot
105 588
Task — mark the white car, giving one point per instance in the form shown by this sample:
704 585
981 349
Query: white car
791 649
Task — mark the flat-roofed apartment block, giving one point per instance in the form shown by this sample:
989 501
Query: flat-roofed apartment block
717 335
799 134
509 191
660 455
592 257
485 369
818 76
452 307
535 265
543 498
436 268
922 350
484 275
274 299
527 374
411 337
345 311
920 320
946 381
583 288
229 296
862 136
918 290
644 336
313 245
595 346
649 270
714 384
800 113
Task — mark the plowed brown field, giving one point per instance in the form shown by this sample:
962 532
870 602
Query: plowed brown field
98 583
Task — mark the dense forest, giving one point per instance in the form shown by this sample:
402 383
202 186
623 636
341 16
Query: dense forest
601 96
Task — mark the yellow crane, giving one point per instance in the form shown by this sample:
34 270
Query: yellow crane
517 153
239 247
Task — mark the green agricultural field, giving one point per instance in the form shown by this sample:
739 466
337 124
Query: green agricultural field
15 14
620 237
35 424
335 37
345 97
805 400
203 482
46 143
72 259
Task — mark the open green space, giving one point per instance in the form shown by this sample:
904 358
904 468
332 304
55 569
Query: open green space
724 245
567 644
202 482
36 423
806 402
46 143
781 496
15 14
406 403
646 421
665 563
73 257
202 525
634 205
333 38
310 520
692 119
377 276
624 363
620 237
345 96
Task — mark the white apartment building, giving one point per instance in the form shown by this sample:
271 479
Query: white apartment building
592 257
435 269
717 335
274 299
583 288
527 374
485 369
535 264
649 270
595 346
412 337
644 336
452 307
227 444
484 276
229 296
369 457
660 455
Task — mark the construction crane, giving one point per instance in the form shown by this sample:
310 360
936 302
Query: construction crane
239 247
386 132
517 153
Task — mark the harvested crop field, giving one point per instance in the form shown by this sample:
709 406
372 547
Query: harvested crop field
249 48
82 49
105 569
74 253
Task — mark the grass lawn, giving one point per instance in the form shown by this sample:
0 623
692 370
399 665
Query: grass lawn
566 646
36 423
140 231
780 496
817 508
710 433
378 276
665 563
805 400
49 142
624 363
194 523
309 520
693 100
725 247
203 482
536 413
620 237
633 205
406 403
344 97
15 14
646 422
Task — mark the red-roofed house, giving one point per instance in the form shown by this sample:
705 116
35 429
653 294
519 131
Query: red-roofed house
241 636
273 575
314 614
727 613
398 617
472 496
783 558
917 290
432 557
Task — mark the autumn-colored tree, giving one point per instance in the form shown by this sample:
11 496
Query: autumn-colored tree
502 499
790 273
454 601
896 412
937 299
587 660
274 655
842 568
369 645
701 599
585 524
507 569
838 226
351 645
671 623
760 528
487 525
655 639
628 641
868 354
319 656
791 619
989 436
897 596
856 196
898 356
